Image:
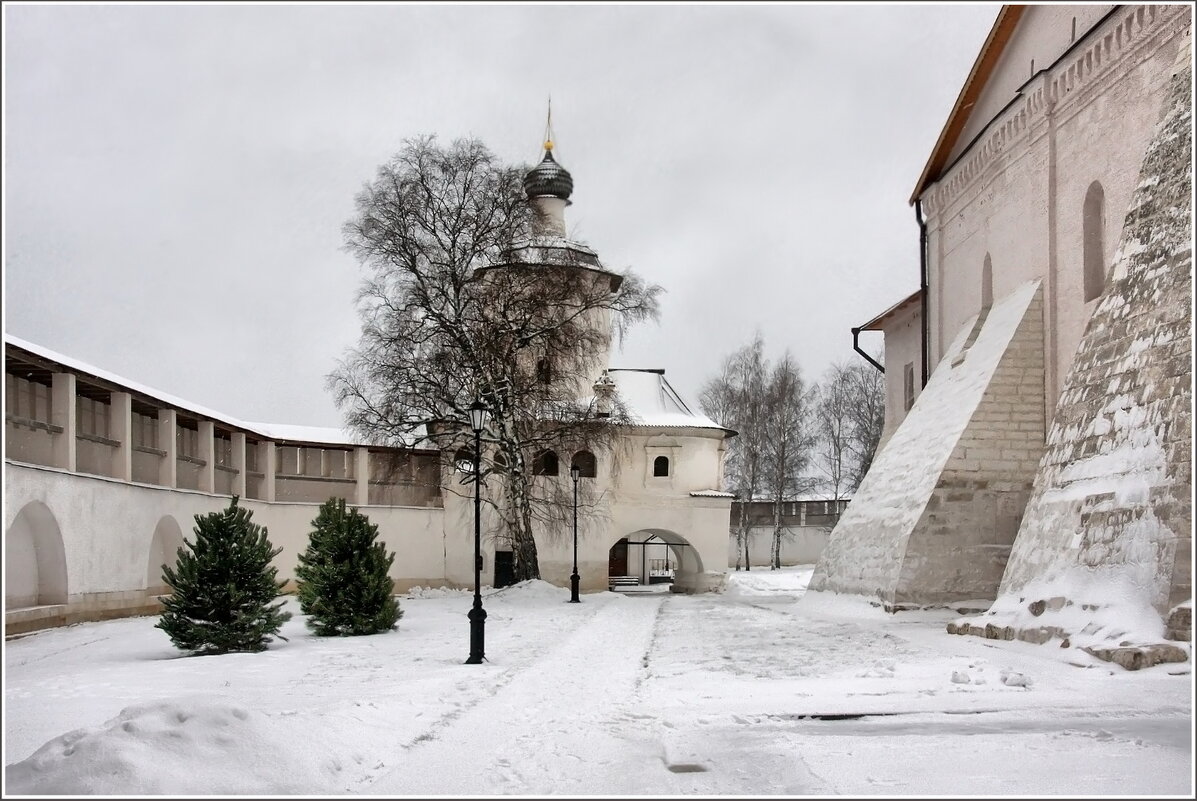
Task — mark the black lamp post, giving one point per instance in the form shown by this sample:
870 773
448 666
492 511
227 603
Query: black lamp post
574 473
477 615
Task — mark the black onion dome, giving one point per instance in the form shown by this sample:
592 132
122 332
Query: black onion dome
549 178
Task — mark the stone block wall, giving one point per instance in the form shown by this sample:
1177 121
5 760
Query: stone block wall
1107 535
958 550
933 521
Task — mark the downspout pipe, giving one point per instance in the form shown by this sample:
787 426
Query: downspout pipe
925 355
856 347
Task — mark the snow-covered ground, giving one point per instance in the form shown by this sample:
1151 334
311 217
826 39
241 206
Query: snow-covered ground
756 691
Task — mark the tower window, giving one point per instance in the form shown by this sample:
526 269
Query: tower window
1094 248
586 464
545 464
661 466
544 371
987 283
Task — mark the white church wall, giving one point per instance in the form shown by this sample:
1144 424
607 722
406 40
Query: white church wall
1043 35
903 346
1018 193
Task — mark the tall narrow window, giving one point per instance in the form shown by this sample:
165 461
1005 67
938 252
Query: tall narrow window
987 283
661 466
1094 233
908 385
544 371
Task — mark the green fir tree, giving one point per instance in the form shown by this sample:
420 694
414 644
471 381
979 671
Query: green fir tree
222 587
342 577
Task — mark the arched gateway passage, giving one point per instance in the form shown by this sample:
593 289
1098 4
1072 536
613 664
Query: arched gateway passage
651 556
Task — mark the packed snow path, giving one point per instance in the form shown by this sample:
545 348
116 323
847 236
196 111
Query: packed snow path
562 723
576 721
751 692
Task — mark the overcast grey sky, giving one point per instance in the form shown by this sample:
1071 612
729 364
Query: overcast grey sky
176 176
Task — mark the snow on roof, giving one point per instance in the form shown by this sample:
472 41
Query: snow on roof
711 494
652 401
275 431
818 496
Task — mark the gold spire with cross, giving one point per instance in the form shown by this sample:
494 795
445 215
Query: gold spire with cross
548 127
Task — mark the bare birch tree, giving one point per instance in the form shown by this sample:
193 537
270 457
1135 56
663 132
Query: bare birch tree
448 319
737 398
850 411
787 441
867 415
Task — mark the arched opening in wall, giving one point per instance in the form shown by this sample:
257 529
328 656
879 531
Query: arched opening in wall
545 464
586 463
651 557
661 467
164 550
1094 244
987 283
35 571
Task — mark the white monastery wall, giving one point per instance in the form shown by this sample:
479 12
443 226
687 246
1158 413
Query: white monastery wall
800 545
108 528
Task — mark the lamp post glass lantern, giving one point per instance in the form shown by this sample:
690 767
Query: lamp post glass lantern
574 473
477 615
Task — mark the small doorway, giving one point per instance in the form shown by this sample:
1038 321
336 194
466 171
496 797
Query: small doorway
504 569
617 561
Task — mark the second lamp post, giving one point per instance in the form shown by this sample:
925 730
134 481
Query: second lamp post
574 473
477 615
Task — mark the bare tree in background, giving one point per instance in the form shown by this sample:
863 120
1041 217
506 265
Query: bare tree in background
866 385
850 414
441 329
737 398
787 442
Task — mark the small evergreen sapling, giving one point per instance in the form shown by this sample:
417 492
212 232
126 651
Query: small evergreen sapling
342 578
222 587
